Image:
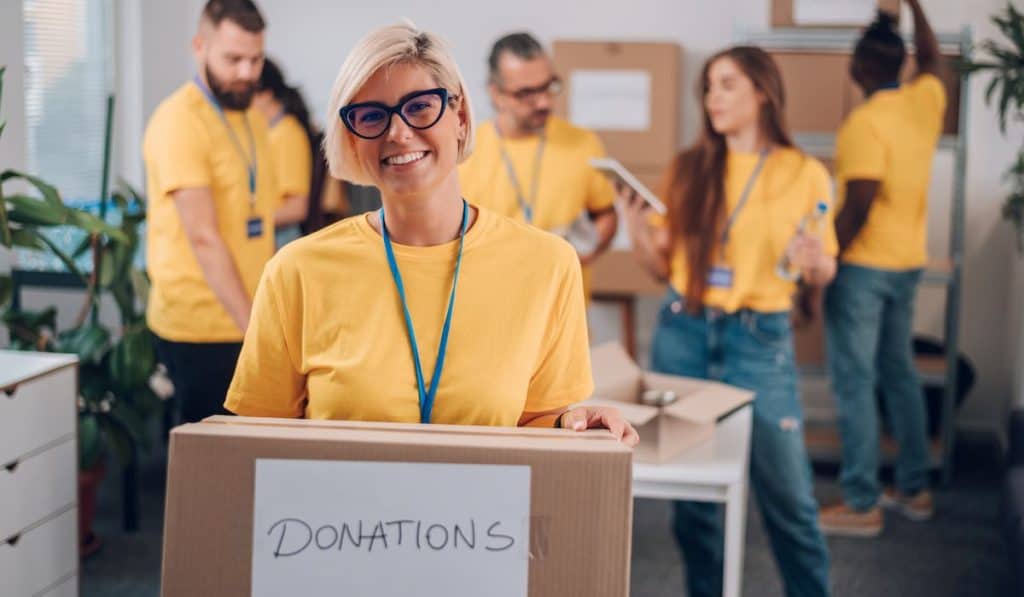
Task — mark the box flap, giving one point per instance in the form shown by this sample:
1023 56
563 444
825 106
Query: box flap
700 401
616 376
636 414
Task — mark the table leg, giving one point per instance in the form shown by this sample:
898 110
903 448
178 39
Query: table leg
735 536
627 307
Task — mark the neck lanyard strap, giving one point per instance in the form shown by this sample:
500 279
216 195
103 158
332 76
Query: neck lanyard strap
251 164
744 196
526 204
426 395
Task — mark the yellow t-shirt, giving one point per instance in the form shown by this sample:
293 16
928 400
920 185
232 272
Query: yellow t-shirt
186 145
786 192
891 138
327 339
292 155
568 185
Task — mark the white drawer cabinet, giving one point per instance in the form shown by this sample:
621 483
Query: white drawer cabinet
38 475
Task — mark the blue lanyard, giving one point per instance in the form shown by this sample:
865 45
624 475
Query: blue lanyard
525 203
744 196
251 164
426 396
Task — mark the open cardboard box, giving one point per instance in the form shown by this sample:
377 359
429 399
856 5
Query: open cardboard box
665 432
575 492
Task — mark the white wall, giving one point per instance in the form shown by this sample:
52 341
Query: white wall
310 38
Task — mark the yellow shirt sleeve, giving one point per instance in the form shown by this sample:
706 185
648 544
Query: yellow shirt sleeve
860 153
293 157
180 150
563 376
267 381
600 192
929 93
822 185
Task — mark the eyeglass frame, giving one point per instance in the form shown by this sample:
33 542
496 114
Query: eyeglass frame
526 93
443 93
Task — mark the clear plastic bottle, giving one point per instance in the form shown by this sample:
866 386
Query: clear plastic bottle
812 223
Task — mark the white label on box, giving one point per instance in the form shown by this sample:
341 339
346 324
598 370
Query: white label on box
834 12
610 100
390 529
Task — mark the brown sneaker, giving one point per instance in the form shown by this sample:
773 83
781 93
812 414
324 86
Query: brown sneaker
843 520
919 507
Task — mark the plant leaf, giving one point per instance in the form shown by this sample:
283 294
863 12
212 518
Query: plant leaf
33 212
48 191
87 341
133 359
6 290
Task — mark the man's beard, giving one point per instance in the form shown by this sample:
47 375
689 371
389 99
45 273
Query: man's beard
228 98
536 121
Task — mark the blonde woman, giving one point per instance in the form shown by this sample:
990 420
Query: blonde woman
424 311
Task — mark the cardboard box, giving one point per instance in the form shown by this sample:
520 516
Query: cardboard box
783 14
665 432
820 93
618 273
229 476
624 81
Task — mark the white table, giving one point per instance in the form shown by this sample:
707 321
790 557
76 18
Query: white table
715 471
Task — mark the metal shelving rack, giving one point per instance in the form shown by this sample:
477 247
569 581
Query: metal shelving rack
941 371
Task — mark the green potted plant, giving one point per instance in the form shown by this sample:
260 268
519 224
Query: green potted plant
115 366
1004 61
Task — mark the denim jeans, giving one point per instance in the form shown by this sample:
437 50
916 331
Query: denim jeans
869 317
750 350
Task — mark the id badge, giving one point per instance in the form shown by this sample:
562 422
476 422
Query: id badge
720 276
254 227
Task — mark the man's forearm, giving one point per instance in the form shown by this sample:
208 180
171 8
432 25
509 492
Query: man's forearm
223 278
926 45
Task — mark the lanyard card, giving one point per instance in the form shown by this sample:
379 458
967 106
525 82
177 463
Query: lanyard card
720 276
254 227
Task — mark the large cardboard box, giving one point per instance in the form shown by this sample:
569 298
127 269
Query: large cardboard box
628 93
668 431
297 507
784 14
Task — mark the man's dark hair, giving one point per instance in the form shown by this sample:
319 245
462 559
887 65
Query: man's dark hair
240 12
880 51
521 45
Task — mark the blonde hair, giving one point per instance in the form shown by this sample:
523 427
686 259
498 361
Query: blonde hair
387 46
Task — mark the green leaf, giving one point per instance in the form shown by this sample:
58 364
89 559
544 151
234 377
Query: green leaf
82 248
6 290
146 402
49 193
35 320
88 341
140 284
133 359
90 442
33 212
5 228
93 225
93 381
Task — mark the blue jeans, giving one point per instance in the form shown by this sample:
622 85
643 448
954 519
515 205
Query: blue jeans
754 351
869 317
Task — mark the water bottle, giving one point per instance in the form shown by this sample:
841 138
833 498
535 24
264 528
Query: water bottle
810 224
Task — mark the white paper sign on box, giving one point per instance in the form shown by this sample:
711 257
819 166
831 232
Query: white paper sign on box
610 100
834 12
390 529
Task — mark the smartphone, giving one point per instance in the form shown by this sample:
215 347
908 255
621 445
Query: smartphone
618 173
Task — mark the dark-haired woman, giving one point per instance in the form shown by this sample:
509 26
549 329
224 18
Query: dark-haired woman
884 155
748 213
290 134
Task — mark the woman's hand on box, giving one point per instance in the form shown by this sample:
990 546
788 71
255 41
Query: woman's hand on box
600 417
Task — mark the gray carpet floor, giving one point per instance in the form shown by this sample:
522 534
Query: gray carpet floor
961 552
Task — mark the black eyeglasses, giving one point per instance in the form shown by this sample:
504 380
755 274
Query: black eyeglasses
553 87
420 110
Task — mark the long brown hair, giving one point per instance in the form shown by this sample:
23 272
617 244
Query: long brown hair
696 184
